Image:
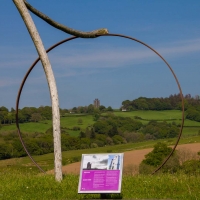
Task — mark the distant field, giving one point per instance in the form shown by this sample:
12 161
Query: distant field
71 120
191 131
30 127
153 115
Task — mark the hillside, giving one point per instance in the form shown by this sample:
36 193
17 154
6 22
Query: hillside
132 159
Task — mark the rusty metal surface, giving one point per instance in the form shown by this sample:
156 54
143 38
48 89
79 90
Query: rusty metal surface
112 35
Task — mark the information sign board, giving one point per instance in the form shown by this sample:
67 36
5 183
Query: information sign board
101 173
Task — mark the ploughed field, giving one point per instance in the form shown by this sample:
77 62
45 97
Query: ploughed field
132 159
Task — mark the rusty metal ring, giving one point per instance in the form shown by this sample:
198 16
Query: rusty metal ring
116 35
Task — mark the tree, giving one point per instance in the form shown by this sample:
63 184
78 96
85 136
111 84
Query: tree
36 117
109 109
92 134
90 108
126 104
45 111
155 157
22 6
102 108
3 114
97 114
74 109
3 108
82 134
5 152
28 111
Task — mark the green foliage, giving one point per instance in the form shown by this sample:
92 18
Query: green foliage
133 136
69 142
193 113
36 117
191 167
102 108
109 129
96 116
109 108
155 157
94 145
92 134
172 165
5 151
173 102
145 168
111 125
82 134
159 130
18 150
117 139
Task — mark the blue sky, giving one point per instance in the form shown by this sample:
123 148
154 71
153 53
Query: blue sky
112 69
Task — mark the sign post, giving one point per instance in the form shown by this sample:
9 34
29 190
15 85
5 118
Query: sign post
101 173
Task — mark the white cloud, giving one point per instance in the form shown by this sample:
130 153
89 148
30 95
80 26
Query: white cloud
104 56
118 57
181 48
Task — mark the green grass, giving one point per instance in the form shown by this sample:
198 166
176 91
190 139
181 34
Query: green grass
47 161
20 178
190 131
30 127
152 115
71 120
15 184
41 127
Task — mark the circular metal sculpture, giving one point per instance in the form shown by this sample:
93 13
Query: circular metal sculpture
115 35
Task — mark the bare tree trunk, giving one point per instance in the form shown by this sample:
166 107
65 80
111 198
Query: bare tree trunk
51 82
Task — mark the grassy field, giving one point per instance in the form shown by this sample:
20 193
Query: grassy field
20 179
25 185
47 161
31 127
152 115
71 120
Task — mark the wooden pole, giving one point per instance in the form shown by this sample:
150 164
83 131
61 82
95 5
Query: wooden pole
51 83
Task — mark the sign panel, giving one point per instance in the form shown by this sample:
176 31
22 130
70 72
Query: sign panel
101 173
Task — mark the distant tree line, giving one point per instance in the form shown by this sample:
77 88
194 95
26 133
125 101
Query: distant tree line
32 114
90 109
173 102
27 114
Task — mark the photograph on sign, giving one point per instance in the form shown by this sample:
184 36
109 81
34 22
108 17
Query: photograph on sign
101 173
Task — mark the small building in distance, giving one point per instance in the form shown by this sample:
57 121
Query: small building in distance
96 103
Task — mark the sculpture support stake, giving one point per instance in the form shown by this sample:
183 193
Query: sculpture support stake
51 83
